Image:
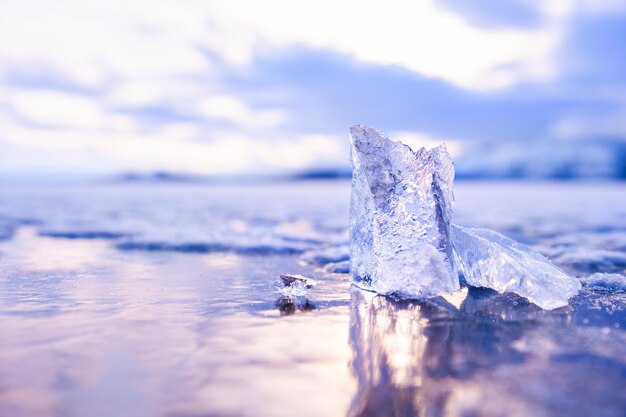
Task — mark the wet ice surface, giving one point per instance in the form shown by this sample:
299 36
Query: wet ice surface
159 300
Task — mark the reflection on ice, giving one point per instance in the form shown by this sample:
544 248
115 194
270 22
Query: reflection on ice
389 347
138 334
495 355
289 305
88 329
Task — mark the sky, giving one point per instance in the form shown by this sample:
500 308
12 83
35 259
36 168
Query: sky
243 87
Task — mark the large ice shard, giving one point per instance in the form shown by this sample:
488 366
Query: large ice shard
400 216
489 259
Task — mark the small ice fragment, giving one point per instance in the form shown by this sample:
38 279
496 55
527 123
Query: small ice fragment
604 281
295 285
400 217
489 259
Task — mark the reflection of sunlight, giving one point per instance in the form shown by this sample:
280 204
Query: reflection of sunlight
427 358
389 343
406 344
221 260
279 366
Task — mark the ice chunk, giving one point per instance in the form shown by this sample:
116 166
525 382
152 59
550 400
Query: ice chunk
489 259
400 216
295 285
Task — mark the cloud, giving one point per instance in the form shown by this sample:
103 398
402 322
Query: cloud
90 45
593 50
239 113
174 146
148 39
416 35
330 92
57 109
242 86
496 13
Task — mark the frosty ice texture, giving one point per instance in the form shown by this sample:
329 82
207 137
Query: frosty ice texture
489 259
400 216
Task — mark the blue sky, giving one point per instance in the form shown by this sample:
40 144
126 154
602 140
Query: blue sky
248 87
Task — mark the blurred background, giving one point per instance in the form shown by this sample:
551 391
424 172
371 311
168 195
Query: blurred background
177 90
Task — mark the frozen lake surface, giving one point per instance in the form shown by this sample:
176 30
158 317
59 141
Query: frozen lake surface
158 300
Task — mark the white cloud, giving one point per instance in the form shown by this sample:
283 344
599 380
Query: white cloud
135 54
55 108
414 34
231 109
174 147
89 44
600 7
146 39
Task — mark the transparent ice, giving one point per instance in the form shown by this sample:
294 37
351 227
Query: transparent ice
400 216
489 259
402 241
295 285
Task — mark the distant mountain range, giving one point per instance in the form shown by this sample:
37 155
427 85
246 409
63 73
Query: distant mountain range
174 177
159 176
545 160
538 160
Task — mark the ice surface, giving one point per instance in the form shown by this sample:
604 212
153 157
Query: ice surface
489 259
336 253
600 281
342 267
490 357
295 285
400 216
